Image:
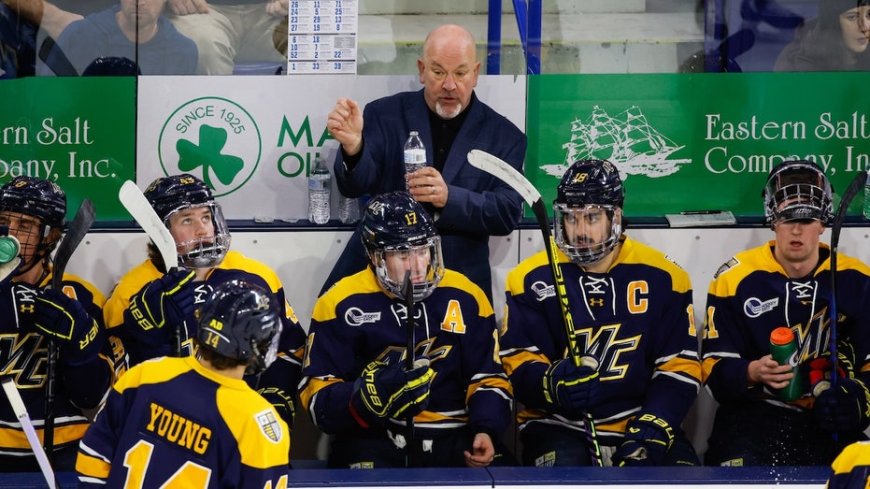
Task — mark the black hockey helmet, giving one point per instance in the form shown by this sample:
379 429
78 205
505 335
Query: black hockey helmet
797 190
174 193
588 186
241 320
35 197
395 222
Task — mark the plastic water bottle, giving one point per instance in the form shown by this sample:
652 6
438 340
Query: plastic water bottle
348 209
319 186
415 153
784 349
867 198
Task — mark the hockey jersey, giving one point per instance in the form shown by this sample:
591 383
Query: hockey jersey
284 373
170 422
25 357
355 323
852 467
751 295
636 319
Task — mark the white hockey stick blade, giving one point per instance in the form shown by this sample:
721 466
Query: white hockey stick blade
138 206
498 168
29 431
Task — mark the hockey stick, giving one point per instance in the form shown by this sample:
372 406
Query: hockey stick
851 191
77 230
498 168
21 413
408 290
138 206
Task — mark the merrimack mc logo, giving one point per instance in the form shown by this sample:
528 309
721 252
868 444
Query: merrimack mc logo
627 140
213 138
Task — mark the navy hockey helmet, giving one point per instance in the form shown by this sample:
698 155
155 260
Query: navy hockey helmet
169 195
35 197
396 227
41 199
588 191
241 320
797 190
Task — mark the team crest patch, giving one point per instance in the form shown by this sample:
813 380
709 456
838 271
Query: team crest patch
754 307
543 290
269 425
725 267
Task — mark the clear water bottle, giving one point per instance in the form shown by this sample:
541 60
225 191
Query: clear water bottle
319 186
415 153
866 208
348 209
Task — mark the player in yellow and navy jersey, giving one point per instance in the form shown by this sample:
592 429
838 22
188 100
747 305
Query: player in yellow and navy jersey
851 468
786 282
152 309
33 211
192 421
355 381
633 317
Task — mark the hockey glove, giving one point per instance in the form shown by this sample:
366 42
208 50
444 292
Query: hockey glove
844 408
389 391
570 390
53 314
647 440
162 305
281 401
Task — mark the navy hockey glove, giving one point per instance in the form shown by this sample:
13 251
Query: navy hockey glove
389 391
647 440
844 408
281 401
53 314
163 304
570 390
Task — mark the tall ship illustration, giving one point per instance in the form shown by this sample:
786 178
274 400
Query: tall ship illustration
626 140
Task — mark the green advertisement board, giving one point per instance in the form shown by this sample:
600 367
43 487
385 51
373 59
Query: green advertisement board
688 142
78 132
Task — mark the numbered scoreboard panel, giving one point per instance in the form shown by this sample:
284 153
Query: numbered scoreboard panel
322 36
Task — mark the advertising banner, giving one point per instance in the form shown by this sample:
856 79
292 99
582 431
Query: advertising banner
701 141
78 132
255 139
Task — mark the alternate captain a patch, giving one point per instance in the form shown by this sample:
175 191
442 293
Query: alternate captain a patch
269 425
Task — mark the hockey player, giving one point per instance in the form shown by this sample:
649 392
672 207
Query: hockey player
851 468
152 308
632 312
192 421
355 384
786 282
33 211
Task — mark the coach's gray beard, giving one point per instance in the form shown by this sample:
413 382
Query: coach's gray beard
442 113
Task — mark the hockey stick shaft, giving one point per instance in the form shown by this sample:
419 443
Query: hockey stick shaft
140 209
76 232
506 173
852 190
29 431
408 290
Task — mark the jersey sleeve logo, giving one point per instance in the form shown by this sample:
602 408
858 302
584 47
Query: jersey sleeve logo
268 423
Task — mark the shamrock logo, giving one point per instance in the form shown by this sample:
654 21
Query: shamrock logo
208 155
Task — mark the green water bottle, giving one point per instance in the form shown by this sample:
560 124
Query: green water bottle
783 349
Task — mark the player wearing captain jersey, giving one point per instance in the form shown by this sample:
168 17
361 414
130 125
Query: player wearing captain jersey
150 307
192 421
33 210
355 384
786 282
632 310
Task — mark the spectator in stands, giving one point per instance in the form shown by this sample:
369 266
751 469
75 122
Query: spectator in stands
631 364
17 44
836 40
786 282
135 30
468 205
226 31
357 382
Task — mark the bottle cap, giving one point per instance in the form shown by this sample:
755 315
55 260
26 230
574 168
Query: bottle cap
781 336
9 247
